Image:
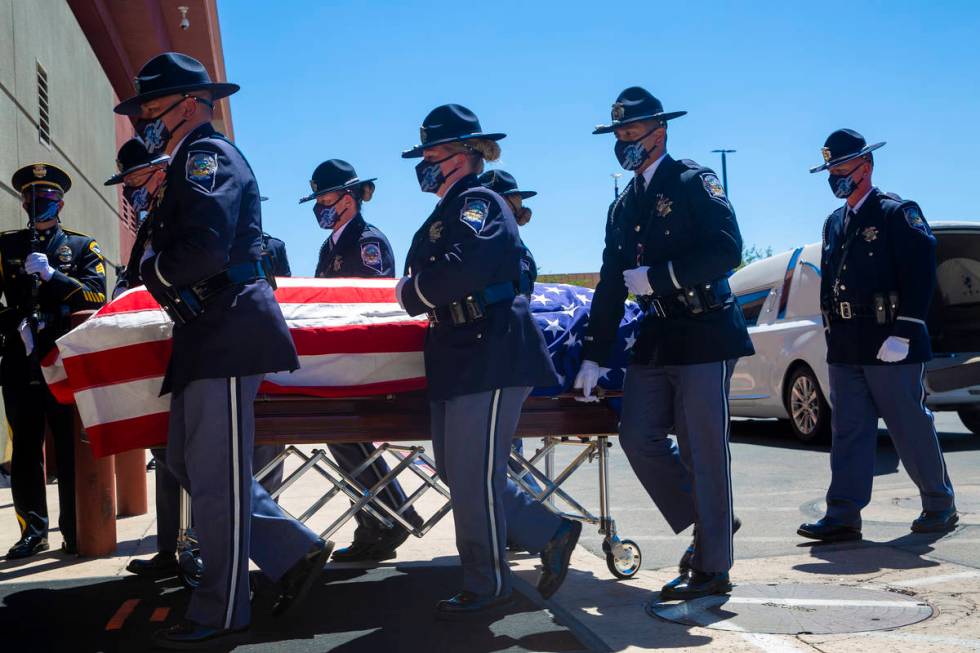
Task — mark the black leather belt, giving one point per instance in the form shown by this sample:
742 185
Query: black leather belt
185 304
689 302
472 308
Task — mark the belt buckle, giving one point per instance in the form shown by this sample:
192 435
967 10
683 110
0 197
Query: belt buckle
658 308
845 310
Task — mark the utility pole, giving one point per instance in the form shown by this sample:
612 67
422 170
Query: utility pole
616 176
724 167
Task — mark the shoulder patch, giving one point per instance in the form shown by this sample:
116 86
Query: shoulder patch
713 187
201 169
915 219
474 213
95 249
371 256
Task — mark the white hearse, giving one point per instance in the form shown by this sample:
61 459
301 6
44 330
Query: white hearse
788 378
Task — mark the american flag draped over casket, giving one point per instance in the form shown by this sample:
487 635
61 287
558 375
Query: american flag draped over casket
351 336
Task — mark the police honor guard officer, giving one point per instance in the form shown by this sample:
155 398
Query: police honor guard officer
878 272
483 353
672 240
46 273
275 252
357 249
504 184
203 265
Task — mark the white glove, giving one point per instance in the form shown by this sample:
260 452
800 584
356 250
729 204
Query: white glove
637 281
24 329
147 253
894 349
398 291
586 380
37 263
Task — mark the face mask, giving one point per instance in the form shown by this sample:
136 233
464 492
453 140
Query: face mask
523 216
842 185
430 174
632 154
155 133
138 198
327 216
43 210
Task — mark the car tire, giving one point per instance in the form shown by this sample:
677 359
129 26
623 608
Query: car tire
971 419
809 412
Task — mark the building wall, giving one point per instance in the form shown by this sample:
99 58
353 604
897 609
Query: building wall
82 127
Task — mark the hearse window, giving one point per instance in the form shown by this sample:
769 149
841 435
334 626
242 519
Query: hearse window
751 304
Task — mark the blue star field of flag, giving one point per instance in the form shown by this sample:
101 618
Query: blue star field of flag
562 313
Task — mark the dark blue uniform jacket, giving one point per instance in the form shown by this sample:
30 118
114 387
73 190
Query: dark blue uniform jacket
209 219
361 251
684 228
470 242
891 250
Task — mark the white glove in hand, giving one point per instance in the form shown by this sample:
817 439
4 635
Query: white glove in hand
894 349
37 263
398 290
24 329
147 253
637 281
586 380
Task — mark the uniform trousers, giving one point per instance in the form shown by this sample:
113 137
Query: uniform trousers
168 492
860 395
28 407
350 456
209 452
690 481
471 439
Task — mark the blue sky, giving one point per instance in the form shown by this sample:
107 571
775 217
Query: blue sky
354 80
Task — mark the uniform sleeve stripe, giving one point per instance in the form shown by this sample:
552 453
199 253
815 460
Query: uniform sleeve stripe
910 319
156 268
418 291
673 277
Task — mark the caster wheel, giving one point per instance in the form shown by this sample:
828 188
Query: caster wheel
190 568
629 564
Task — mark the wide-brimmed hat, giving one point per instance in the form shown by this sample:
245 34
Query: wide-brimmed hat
842 146
333 175
447 124
171 73
503 183
41 174
133 156
635 104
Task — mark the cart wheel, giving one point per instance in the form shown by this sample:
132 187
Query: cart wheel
627 566
189 567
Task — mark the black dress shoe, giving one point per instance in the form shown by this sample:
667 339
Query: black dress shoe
466 605
936 521
695 584
28 546
556 555
190 636
297 582
684 565
162 565
829 530
358 551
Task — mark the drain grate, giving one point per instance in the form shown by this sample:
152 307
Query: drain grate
797 609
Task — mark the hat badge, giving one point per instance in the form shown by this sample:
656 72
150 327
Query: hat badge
313 186
618 111
40 171
826 154
422 134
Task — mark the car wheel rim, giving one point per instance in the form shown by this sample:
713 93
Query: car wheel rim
805 404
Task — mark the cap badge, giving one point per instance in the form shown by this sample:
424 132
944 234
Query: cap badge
618 111
826 154
422 134
40 170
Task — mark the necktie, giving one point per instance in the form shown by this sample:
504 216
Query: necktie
641 185
847 218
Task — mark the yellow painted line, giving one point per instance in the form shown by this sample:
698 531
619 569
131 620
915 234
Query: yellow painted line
160 614
122 614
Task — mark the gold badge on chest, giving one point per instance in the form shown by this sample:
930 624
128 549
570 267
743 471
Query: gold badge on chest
870 234
338 262
435 232
664 205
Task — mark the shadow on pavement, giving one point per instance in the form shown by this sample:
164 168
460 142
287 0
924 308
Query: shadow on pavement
381 609
866 557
